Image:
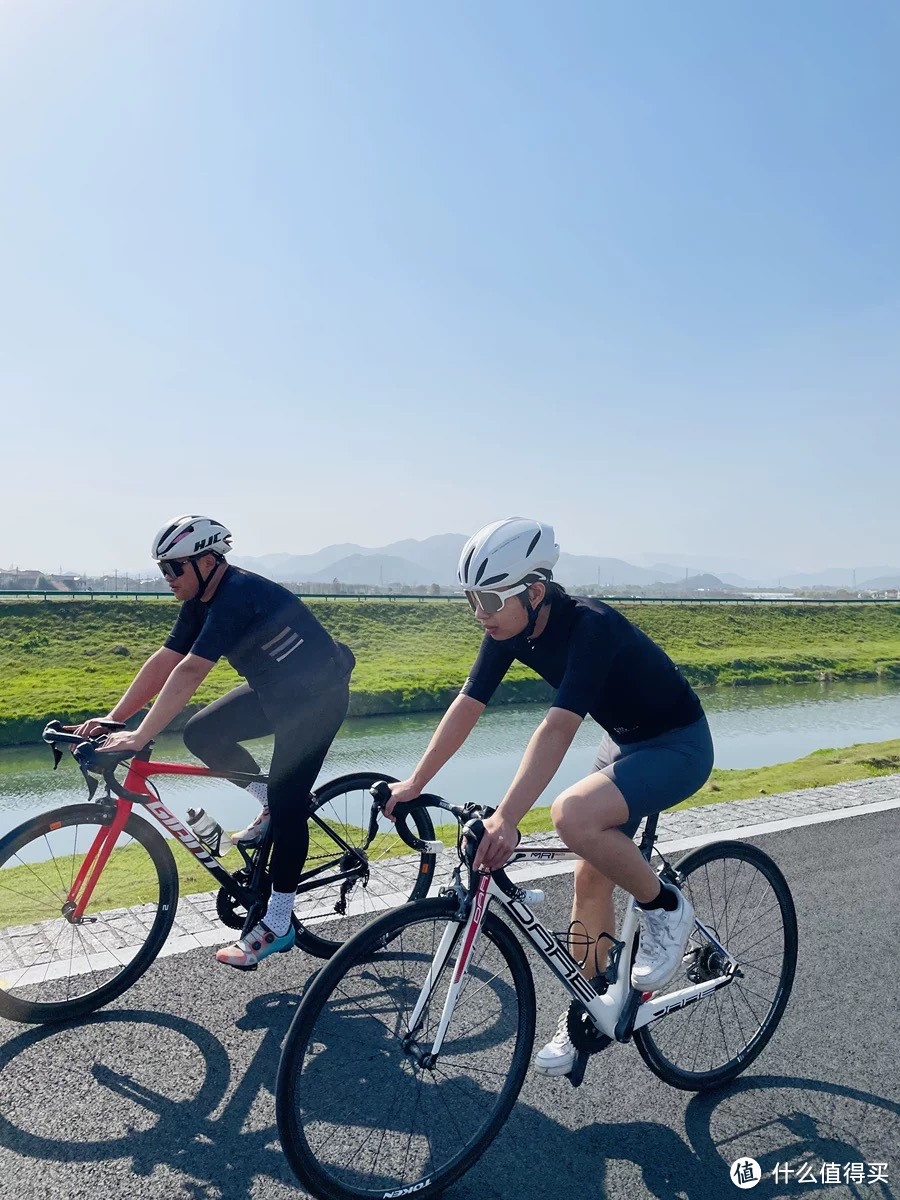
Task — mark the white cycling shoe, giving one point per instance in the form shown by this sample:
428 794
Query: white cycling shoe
254 831
664 937
558 1056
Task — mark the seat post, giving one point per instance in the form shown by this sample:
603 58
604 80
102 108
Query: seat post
648 838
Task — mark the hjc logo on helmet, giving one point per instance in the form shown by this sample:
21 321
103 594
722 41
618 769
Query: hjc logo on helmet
207 541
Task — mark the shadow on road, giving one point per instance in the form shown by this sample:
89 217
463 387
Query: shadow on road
168 1103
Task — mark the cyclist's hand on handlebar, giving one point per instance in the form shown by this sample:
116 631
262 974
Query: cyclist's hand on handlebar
499 840
400 793
120 742
88 729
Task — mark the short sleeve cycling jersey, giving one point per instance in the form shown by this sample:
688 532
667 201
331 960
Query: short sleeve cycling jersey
267 634
599 663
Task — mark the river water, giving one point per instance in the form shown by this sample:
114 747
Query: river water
751 727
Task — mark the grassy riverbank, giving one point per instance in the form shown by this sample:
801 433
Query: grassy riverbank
126 880
73 658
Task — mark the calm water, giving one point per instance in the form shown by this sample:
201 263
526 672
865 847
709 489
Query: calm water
751 727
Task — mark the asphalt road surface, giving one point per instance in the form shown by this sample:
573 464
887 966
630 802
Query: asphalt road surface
167 1094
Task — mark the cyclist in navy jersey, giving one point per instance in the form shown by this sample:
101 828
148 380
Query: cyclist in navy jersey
297 687
656 750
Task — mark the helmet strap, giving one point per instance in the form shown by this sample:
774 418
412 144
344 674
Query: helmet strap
533 611
203 581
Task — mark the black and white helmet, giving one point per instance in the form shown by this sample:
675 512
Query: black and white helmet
190 534
516 550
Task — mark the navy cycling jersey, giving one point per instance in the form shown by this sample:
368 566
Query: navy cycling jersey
267 634
600 664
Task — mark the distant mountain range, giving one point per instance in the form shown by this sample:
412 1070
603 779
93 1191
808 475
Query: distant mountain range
434 559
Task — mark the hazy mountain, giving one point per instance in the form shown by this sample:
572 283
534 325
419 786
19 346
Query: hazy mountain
374 569
882 582
739 581
438 555
434 559
581 570
839 577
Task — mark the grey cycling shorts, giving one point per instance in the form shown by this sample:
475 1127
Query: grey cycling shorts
659 772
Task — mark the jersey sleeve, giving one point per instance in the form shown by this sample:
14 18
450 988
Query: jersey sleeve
492 663
185 630
227 623
591 656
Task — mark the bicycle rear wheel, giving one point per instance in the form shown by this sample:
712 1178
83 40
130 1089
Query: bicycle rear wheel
51 967
741 896
360 1115
386 872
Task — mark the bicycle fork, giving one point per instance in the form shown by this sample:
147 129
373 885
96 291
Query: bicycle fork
94 862
451 935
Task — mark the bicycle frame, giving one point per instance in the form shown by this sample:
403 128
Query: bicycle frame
136 785
616 1012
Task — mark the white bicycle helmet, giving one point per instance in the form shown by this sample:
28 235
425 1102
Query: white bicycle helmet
516 550
190 534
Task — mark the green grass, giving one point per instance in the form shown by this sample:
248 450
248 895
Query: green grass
74 658
128 879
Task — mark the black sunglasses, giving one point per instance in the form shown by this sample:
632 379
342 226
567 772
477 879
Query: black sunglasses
174 568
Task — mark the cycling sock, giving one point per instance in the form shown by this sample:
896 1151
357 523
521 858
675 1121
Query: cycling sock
278 914
667 899
260 791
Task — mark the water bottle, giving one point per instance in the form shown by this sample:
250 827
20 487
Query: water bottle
210 832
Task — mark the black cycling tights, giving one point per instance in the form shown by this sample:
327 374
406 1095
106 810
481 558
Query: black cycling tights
303 733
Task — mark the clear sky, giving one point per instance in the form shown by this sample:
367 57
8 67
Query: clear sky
360 271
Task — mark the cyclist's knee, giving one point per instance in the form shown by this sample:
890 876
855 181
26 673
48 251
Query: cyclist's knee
570 812
193 736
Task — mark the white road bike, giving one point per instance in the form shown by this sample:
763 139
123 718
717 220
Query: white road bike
410 1046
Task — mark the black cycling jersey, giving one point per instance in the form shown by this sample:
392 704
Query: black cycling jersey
267 634
600 664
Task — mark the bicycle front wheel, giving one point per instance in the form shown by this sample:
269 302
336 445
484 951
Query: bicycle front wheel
741 896
54 967
361 1112
347 890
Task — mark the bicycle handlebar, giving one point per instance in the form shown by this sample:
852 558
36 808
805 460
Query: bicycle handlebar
469 816
84 751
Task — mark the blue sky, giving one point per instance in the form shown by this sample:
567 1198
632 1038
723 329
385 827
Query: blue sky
366 271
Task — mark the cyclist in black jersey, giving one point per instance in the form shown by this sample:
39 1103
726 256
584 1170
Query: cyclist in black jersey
656 751
297 687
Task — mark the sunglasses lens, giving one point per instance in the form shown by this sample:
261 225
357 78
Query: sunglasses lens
488 602
172 570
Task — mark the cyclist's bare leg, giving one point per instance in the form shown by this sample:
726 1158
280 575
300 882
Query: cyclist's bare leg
594 912
586 816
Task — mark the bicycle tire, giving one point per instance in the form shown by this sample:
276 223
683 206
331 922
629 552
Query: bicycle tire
408 879
724 1002
114 940
303 1091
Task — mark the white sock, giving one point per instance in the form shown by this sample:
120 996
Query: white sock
278 914
260 792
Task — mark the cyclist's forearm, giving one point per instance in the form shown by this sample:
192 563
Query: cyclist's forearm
178 689
145 685
456 724
540 762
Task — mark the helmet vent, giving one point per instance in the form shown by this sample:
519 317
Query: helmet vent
533 543
481 571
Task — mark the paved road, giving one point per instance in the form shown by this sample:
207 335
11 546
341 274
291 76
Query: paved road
167 1094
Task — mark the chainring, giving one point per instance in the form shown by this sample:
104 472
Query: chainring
583 1033
231 912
